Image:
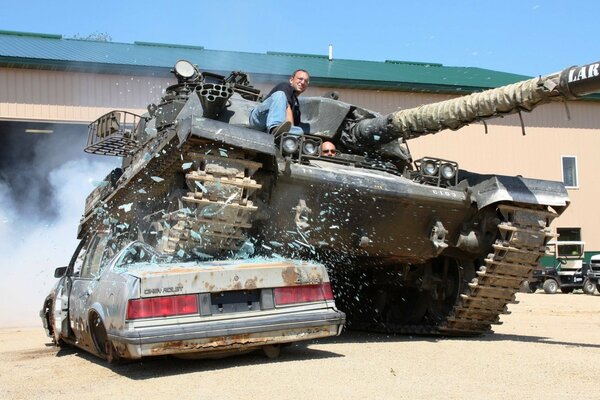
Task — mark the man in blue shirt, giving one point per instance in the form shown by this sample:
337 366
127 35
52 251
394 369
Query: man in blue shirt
280 111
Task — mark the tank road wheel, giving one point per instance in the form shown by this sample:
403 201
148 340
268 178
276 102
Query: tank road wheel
525 287
550 286
448 284
435 290
567 289
402 307
104 347
588 286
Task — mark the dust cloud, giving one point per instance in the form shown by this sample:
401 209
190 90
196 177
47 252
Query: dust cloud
42 198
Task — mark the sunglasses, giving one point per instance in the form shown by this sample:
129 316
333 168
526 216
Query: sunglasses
329 151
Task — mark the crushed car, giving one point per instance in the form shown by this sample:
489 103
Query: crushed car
123 302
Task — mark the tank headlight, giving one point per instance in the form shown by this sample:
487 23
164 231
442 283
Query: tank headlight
289 144
185 70
448 171
310 147
430 167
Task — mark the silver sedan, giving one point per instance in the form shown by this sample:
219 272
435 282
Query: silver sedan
128 302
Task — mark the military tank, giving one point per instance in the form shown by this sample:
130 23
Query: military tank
414 246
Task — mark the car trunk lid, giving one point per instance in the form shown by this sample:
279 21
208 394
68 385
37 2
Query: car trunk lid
161 279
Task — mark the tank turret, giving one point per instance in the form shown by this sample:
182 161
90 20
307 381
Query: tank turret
413 246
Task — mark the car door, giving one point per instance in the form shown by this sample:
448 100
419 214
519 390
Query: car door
83 285
60 306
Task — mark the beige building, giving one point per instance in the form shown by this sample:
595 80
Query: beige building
43 95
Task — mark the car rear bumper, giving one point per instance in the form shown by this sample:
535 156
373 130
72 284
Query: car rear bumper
230 334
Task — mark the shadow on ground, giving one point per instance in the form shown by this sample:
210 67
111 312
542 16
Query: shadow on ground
369 337
154 367
161 366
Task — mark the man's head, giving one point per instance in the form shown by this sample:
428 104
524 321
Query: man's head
299 80
328 149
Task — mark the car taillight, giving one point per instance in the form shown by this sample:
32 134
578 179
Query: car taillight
162 306
303 294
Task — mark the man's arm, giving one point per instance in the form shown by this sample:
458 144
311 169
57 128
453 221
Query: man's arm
288 114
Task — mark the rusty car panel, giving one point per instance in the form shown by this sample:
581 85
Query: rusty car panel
132 302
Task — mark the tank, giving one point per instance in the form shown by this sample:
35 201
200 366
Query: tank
413 245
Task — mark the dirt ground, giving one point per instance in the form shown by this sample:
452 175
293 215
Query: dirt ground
549 347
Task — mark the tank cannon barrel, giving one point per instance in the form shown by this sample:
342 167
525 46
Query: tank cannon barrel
453 114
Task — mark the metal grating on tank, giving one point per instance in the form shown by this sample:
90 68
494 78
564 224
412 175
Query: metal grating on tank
113 134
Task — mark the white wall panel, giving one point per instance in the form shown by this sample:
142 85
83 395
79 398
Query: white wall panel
71 96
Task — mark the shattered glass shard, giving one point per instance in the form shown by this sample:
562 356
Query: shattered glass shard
195 235
100 183
125 207
151 131
246 251
201 187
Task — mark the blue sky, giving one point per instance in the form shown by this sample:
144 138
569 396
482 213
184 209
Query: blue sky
528 37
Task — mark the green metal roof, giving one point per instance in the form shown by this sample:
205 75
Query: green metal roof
48 51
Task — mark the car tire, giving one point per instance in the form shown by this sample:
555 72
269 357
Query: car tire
272 351
550 286
112 355
588 286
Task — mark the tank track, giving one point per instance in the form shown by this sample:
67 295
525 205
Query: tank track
214 213
210 216
523 234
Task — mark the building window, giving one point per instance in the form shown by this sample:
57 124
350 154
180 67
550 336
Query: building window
569 242
569 169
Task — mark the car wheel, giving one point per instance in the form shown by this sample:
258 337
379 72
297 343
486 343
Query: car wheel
550 286
272 351
104 347
588 287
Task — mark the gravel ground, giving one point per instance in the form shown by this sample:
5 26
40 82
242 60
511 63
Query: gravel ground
549 347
